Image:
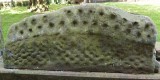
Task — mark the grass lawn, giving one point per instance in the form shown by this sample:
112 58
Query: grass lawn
18 13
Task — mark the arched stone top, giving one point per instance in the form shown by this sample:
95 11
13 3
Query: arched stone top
86 19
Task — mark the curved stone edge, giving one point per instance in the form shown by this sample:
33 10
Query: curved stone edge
121 13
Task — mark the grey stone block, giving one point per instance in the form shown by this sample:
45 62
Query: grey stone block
90 37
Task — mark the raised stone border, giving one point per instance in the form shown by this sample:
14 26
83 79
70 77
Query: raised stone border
15 74
8 74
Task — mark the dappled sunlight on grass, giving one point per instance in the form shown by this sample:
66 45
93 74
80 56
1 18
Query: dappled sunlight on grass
11 11
14 10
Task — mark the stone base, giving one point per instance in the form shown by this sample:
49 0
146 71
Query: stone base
15 74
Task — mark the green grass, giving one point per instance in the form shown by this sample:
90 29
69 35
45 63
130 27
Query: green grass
18 13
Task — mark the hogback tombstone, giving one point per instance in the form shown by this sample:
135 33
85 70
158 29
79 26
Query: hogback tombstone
90 37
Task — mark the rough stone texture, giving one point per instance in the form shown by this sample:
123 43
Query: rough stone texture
89 37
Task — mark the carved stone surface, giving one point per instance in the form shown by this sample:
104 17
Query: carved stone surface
89 37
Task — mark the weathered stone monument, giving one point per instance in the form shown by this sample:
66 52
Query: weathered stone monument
84 38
